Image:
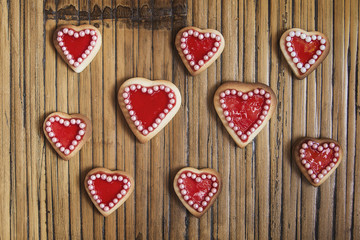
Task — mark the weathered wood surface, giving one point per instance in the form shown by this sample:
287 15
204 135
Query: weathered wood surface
264 195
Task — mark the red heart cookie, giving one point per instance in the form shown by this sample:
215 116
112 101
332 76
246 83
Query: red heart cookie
197 189
107 189
244 109
198 48
77 45
304 51
67 133
148 105
317 158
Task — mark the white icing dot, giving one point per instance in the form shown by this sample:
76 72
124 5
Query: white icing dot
67 151
308 39
295 60
322 47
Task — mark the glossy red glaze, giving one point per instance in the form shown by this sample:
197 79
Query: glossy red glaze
197 191
107 191
199 48
65 135
77 46
318 160
147 107
304 50
244 113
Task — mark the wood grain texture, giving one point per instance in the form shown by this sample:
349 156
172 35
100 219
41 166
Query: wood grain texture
264 194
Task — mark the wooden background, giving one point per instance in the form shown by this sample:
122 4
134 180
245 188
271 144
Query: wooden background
264 195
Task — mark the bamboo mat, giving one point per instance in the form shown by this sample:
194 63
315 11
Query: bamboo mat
264 195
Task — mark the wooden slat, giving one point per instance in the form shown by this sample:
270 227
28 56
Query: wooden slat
6 120
18 209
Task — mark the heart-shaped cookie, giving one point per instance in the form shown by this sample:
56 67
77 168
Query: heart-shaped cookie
244 109
108 190
199 48
317 159
67 133
77 45
148 105
304 51
197 189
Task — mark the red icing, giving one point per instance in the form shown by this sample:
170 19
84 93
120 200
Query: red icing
198 191
318 160
304 50
199 48
244 113
65 134
107 191
77 46
148 107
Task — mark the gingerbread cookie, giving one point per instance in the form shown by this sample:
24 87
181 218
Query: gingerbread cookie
304 51
67 133
317 159
77 45
199 48
244 109
148 105
108 190
197 189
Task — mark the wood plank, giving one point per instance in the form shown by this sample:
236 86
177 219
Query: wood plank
325 218
34 110
18 208
6 121
125 138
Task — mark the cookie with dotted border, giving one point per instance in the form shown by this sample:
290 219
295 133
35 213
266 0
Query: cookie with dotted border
68 123
306 53
210 42
207 181
105 178
307 152
246 96
148 106
76 35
